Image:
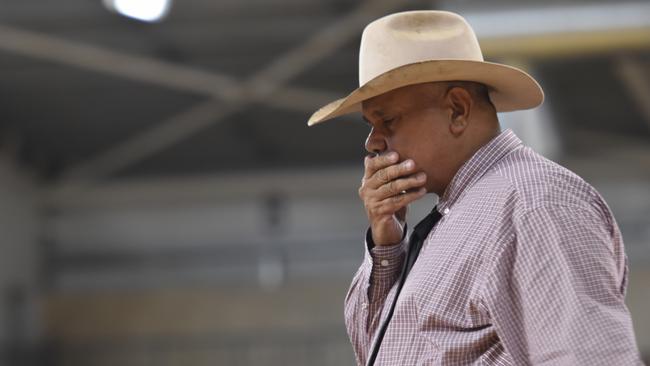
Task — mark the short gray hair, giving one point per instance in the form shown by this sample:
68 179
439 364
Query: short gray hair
478 91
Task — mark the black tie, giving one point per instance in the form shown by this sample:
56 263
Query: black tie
420 233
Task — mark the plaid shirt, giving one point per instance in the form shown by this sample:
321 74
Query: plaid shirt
526 267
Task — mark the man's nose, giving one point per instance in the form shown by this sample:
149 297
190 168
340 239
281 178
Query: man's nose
375 143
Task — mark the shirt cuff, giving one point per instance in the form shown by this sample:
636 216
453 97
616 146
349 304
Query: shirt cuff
385 263
385 257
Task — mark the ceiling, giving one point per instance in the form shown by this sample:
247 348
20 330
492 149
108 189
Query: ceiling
222 86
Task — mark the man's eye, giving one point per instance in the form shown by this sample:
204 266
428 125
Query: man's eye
388 122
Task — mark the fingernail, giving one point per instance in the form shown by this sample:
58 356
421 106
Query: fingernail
420 176
392 156
408 164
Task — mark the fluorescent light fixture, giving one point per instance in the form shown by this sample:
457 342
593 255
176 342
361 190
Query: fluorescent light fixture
143 10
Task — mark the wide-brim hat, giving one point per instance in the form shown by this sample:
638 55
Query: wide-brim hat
416 47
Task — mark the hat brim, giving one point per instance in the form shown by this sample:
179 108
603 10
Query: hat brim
509 87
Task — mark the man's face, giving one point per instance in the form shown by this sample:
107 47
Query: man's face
413 122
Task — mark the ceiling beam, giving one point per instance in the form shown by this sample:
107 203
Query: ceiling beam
144 69
557 19
563 45
146 143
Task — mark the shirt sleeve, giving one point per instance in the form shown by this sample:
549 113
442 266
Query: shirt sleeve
556 295
365 299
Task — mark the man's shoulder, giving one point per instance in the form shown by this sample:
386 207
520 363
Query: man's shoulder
533 180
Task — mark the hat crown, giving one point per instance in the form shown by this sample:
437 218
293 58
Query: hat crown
415 36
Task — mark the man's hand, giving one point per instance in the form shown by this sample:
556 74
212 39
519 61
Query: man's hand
386 190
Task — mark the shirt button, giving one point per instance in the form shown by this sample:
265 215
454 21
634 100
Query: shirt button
384 262
446 210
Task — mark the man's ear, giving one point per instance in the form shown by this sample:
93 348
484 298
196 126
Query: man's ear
460 104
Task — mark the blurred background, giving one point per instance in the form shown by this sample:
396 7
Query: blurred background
162 201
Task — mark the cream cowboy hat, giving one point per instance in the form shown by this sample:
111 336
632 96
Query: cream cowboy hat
423 46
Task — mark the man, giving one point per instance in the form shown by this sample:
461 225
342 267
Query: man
520 262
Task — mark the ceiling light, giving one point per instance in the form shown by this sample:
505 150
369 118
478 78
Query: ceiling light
143 10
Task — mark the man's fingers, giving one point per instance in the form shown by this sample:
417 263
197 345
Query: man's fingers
392 204
397 186
373 164
382 176
390 173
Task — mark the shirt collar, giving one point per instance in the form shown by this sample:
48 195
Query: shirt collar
474 168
